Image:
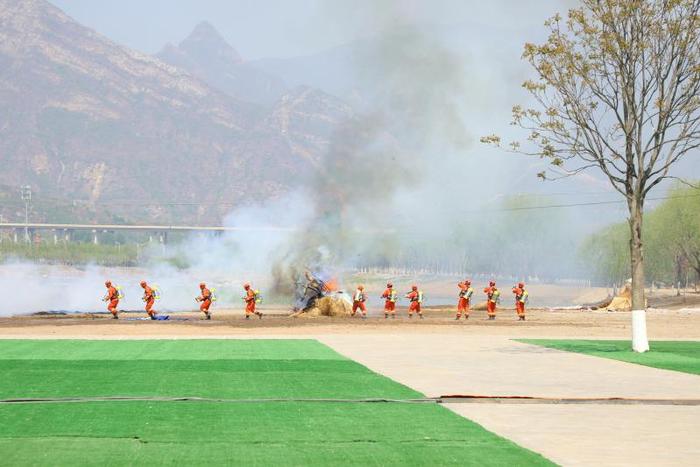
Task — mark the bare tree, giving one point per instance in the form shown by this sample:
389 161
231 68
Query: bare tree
617 88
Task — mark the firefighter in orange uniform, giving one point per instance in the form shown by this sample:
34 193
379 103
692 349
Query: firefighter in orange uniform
204 300
389 297
250 300
358 302
112 297
149 297
415 297
492 296
521 297
465 295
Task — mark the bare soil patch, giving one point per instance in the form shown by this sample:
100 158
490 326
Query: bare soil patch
662 324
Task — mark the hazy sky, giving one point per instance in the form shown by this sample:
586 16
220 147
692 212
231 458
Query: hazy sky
284 28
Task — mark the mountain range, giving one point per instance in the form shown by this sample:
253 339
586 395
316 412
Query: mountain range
182 136
102 132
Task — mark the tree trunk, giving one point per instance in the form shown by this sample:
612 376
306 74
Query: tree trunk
679 269
636 206
640 342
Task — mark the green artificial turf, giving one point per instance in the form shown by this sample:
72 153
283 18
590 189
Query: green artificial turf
195 349
681 356
239 432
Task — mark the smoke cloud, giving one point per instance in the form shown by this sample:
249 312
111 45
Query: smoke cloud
224 262
410 90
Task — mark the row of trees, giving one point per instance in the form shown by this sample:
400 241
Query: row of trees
74 254
672 243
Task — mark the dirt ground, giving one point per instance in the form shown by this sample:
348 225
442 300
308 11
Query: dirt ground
683 323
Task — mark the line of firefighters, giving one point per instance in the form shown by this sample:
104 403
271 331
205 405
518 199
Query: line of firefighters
415 297
390 297
205 299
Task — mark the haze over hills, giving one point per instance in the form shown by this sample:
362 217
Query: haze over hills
121 132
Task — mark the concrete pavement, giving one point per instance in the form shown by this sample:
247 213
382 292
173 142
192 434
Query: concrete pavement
567 434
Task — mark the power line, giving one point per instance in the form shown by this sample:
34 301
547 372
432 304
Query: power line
521 208
549 206
596 203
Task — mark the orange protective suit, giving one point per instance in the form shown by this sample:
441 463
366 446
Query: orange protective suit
250 302
205 300
414 305
112 299
463 301
462 306
491 303
519 290
149 298
389 305
491 309
358 302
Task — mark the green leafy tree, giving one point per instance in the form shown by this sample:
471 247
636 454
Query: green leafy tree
679 217
672 239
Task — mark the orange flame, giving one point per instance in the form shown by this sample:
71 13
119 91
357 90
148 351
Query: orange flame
331 285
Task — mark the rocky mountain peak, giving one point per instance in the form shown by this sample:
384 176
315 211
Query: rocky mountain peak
206 55
206 43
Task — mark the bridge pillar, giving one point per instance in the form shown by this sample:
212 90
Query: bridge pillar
94 237
66 235
14 234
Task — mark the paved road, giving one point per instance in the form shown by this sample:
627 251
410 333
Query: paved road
569 435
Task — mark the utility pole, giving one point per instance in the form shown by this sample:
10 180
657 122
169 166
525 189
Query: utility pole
26 193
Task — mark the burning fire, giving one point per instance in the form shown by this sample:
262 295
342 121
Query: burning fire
331 285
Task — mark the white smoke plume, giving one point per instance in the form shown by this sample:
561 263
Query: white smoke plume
225 263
